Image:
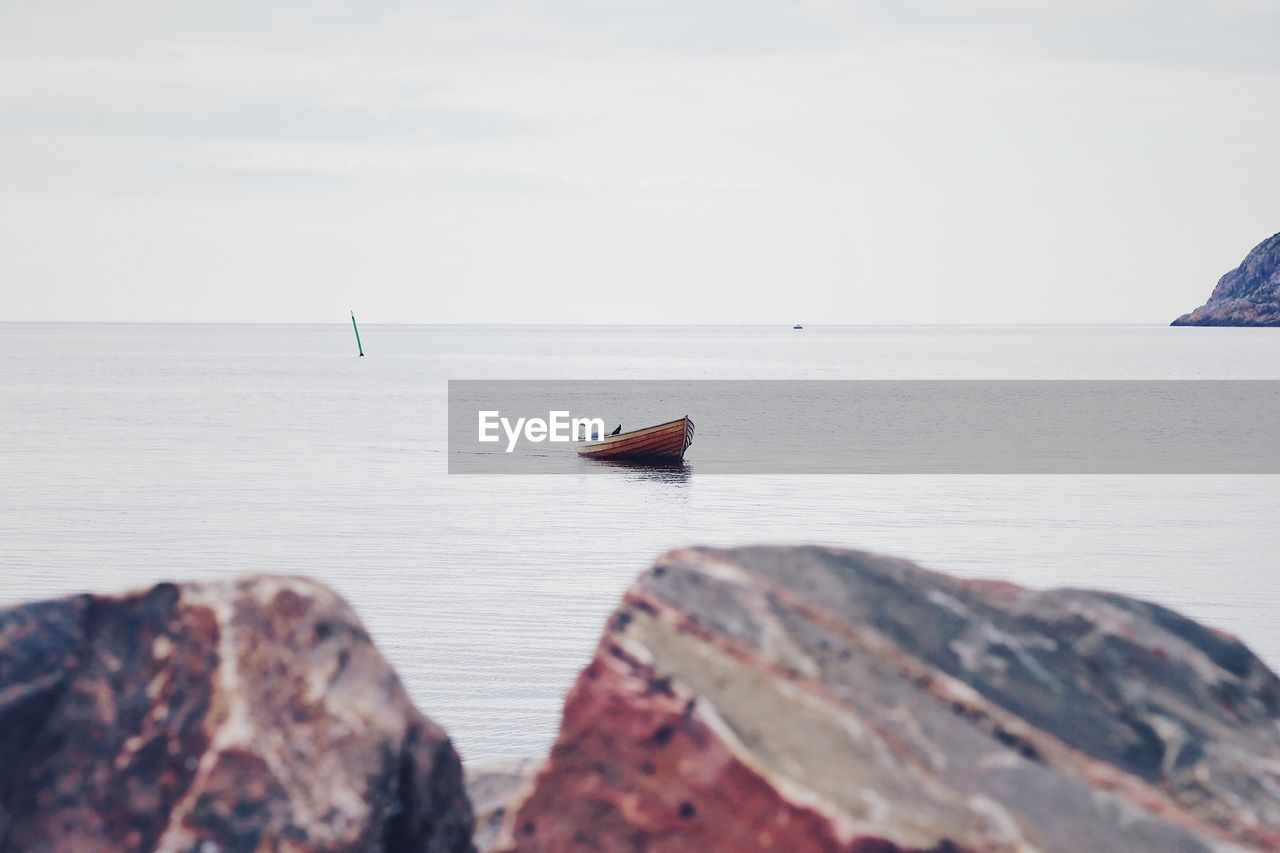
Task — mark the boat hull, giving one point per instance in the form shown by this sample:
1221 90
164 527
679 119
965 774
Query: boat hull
661 443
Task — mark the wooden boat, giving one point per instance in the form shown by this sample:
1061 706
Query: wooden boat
662 443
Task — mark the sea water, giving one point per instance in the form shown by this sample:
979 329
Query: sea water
135 453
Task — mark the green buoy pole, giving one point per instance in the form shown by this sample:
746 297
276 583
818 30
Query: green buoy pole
357 328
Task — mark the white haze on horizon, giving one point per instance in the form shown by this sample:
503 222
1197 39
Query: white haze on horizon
572 161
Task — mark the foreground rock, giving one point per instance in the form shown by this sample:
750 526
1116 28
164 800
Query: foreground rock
232 716
492 786
1249 295
802 699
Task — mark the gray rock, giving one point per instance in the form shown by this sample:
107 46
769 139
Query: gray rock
492 787
1249 295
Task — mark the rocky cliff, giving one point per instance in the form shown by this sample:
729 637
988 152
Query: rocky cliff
1249 295
803 699
215 717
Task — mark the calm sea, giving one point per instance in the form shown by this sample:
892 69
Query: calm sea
134 453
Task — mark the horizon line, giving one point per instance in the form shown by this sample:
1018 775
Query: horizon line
806 326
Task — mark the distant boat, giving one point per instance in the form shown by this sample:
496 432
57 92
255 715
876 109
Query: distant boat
797 326
662 443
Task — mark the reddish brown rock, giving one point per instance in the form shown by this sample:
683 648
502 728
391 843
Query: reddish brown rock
805 699
249 715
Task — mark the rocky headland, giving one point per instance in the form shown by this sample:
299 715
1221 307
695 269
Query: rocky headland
1249 295
786 699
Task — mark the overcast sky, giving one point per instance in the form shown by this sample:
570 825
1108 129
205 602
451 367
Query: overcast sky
651 161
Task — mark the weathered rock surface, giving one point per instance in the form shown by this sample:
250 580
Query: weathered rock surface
1249 295
247 715
492 786
805 699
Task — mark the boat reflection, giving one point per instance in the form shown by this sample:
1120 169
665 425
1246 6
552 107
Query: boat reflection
658 472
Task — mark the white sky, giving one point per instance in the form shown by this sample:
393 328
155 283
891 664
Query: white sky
649 161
